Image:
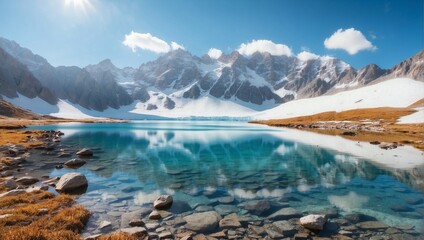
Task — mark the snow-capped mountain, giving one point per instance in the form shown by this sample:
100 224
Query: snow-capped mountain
68 83
179 84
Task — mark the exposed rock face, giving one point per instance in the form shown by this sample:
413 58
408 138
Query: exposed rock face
16 79
202 222
313 222
71 182
169 104
163 202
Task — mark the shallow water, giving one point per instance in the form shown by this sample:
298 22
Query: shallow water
199 162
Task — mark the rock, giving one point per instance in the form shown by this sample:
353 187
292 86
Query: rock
179 207
359 217
137 232
165 235
372 225
348 133
27 180
375 142
259 207
12 193
273 234
203 222
152 225
71 182
225 209
163 202
285 214
76 162
105 224
138 214
285 228
313 222
388 146
86 152
136 222
10 184
226 200
37 188
301 236
93 237
154 215
401 208
230 221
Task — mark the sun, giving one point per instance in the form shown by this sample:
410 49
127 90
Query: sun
78 4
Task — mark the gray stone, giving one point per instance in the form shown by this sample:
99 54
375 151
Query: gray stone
86 152
226 200
71 182
76 162
138 214
154 215
225 209
313 222
285 227
138 232
152 225
136 222
230 221
372 225
202 222
165 235
258 207
27 180
163 202
105 224
285 214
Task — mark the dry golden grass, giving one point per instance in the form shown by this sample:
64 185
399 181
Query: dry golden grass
419 103
117 236
385 118
41 215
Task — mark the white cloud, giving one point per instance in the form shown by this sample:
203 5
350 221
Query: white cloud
350 40
176 46
214 53
305 56
264 46
145 41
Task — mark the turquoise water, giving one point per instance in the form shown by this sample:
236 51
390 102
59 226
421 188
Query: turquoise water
199 162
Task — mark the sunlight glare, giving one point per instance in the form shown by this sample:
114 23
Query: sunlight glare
78 4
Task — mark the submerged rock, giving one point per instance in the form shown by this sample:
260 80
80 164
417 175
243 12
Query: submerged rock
313 222
71 182
203 222
285 214
163 202
258 207
230 221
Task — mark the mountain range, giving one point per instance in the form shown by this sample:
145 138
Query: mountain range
180 81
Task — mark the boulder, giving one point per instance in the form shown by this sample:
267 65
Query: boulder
285 228
76 162
203 222
258 207
71 182
27 180
285 214
86 152
313 222
163 202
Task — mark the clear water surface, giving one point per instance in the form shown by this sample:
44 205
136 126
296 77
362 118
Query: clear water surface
198 162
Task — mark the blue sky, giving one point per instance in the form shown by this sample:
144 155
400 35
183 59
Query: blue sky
80 32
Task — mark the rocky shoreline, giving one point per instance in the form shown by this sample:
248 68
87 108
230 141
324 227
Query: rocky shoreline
166 218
